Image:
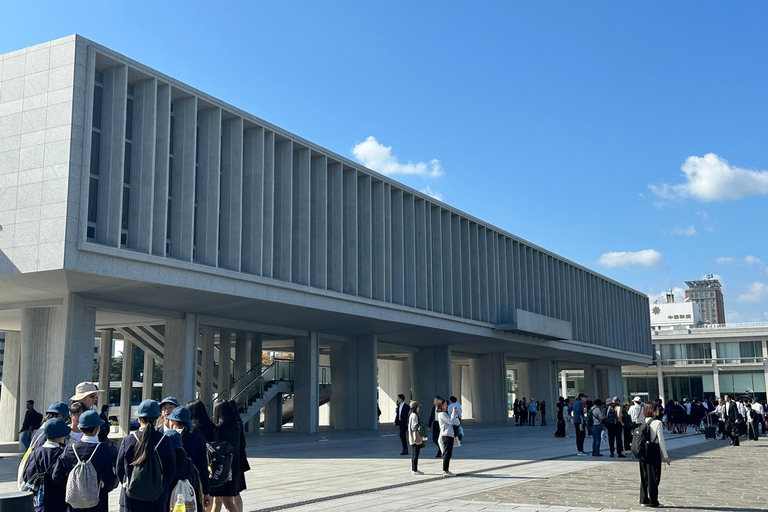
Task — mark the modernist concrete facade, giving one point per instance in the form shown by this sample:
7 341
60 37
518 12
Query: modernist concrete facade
134 206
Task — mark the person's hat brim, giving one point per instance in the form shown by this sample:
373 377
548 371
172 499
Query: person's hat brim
80 396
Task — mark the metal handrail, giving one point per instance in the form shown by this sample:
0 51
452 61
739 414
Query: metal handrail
740 360
262 379
684 361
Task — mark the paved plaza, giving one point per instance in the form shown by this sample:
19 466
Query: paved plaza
501 468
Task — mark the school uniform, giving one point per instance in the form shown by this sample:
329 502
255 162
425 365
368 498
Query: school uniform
197 453
231 434
41 460
100 455
187 471
125 470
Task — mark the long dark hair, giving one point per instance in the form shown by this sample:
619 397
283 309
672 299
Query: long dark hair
224 414
145 436
199 414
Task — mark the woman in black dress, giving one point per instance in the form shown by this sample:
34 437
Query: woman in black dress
560 432
227 429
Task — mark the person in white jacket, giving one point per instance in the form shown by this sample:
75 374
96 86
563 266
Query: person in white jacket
650 466
447 440
414 437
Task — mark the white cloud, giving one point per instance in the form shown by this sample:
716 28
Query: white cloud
749 260
431 193
703 215
379 157
711 178
689 231
645 258
757 292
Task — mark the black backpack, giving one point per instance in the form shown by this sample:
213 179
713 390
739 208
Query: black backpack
220 455
146 482
610 418
641 436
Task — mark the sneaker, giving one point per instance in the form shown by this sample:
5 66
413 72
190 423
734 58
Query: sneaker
448 473
581 453
622 456
417 472
597 455
611 454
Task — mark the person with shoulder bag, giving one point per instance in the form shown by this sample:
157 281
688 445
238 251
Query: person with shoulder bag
48 495
649 448
146 465
597 418
417 436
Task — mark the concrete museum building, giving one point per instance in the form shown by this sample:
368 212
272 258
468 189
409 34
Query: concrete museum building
136 207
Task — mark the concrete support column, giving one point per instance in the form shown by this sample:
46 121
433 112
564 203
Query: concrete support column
208 180
143 164
36 339
306 399
715 369
241 362
489 386
183 180
523 381
148 380
273 414
590 381
206 379
466 397
160 189
105 365
181 340
615 383
394 378
10 400
564 384
225 362
126 382
456 380
232 189
543 384
353 392
431 373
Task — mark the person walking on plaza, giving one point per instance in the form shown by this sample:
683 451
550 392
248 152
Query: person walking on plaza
136 456
650 465
414 437
447 440
185 470
516 412
636 410
200 422
628 425
543 411
32 422
560 432
401 420
524 412
38 473
244 465
614 423
579 422
454 404
532 413
434 425
731 420
194 446
598 418
87 393
90 450
227 429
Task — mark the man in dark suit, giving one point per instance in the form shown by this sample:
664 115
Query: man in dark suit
401 420
731 419
435 426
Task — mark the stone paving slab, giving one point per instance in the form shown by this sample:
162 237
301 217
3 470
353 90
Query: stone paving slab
711 476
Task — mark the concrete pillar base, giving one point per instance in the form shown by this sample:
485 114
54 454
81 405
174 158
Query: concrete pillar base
306 392
273 414
489 385
353 389
180 378
431 373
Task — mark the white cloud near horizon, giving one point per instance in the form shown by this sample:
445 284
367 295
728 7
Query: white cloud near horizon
431 193
374 155
756 292
689 231
661 297
749 260
711 178
644 258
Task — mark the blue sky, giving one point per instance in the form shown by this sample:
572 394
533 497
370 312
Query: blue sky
569 126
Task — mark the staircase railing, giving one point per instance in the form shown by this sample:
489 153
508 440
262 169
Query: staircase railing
279 370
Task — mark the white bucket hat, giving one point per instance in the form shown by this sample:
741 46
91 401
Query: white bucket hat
84 389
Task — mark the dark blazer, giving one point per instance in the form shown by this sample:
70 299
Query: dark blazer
433 423
195 448
730 413
402 419
124 471
102 463
41 460
32 420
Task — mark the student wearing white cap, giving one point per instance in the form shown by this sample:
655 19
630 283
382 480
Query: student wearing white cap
636 411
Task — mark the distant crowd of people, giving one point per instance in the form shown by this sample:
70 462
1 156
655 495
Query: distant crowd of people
524 412
179 459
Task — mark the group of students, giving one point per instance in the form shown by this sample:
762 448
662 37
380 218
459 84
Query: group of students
524 412
444 422
179 459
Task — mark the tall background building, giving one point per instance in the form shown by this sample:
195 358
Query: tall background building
708 292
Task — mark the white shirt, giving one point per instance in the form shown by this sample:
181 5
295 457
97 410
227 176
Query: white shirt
400 410
76 435
719 409
636 413
447 423
741 408
657 435
457 406
90 439
758 408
